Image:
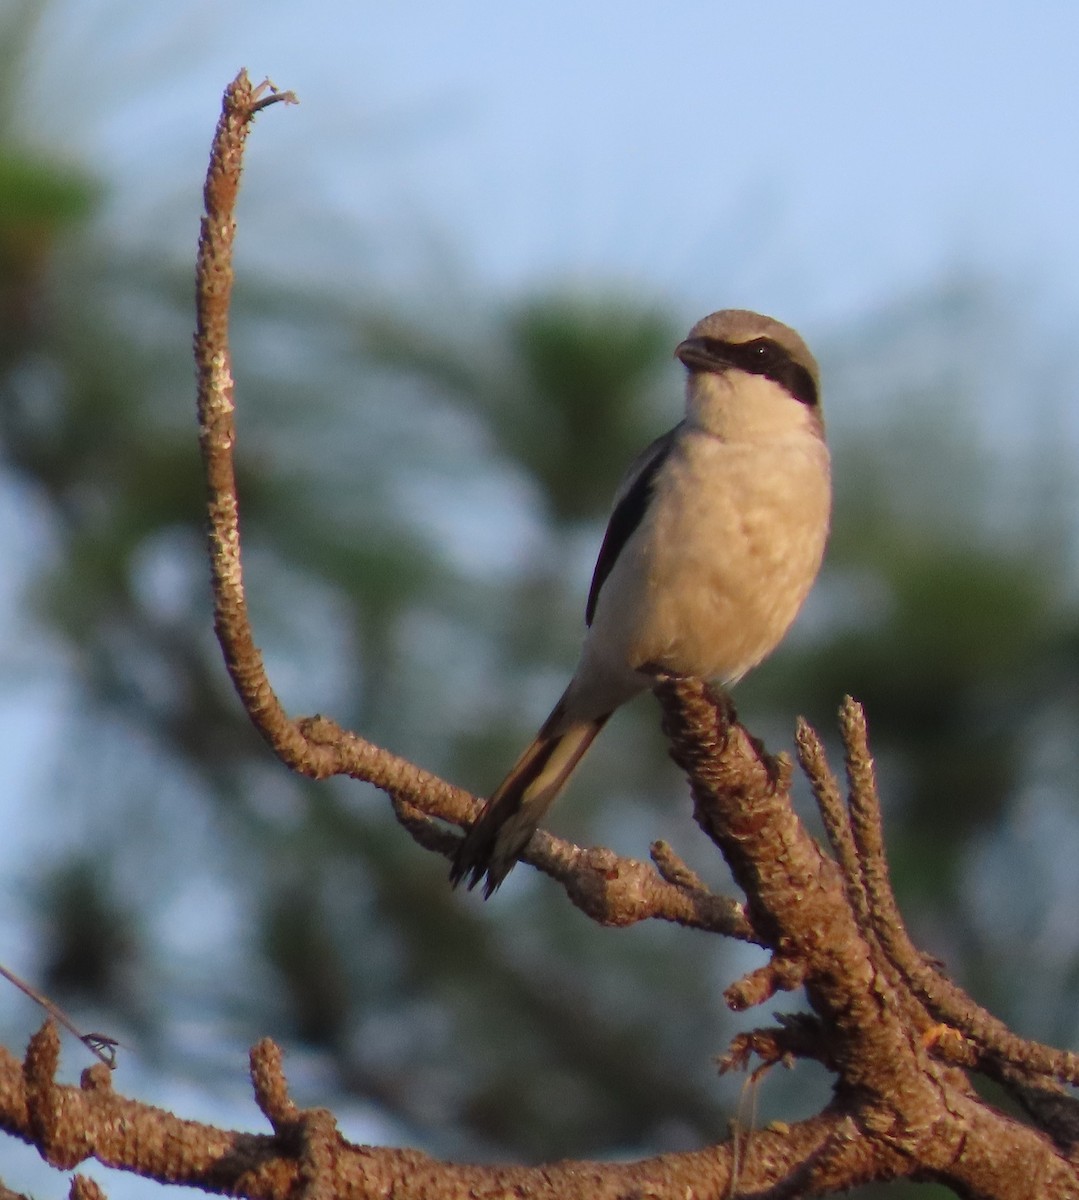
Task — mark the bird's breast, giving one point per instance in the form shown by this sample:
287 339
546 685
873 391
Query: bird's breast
717 571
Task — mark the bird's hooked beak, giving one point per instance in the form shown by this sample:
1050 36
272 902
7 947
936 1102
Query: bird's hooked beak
702 354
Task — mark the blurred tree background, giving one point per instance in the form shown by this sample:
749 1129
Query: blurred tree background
425 481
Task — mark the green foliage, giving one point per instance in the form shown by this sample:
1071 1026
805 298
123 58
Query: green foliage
40 198
588 368
93 939
567 387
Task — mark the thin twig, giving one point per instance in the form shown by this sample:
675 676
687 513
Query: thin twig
943 998
674 869
814 764
99 1044
838 825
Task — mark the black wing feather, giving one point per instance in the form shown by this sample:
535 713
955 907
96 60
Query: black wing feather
630 507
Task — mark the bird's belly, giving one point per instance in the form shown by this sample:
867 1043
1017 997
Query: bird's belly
714 582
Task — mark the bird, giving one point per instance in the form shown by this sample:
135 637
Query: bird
715 538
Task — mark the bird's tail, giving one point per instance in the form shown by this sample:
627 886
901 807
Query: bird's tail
509 818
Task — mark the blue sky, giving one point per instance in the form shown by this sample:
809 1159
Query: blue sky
807 159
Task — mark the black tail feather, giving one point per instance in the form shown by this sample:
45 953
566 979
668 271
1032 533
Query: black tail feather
509 818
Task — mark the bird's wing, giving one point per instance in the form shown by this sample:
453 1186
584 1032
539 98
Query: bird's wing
630 505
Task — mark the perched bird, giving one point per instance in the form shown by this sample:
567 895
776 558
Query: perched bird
716 537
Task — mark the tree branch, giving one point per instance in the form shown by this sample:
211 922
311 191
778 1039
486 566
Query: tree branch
945 1000
305 1154
901 1107
608 888
800 902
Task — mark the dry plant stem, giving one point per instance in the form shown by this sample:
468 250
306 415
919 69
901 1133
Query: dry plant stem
1050 1106
85 1188
799 1036
797 900
216 410
98 1044
673 869
814 764
837 824
609 889
866 831
856 833
305 1156
945 1000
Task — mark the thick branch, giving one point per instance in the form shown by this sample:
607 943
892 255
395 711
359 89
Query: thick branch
798 901
305 1155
